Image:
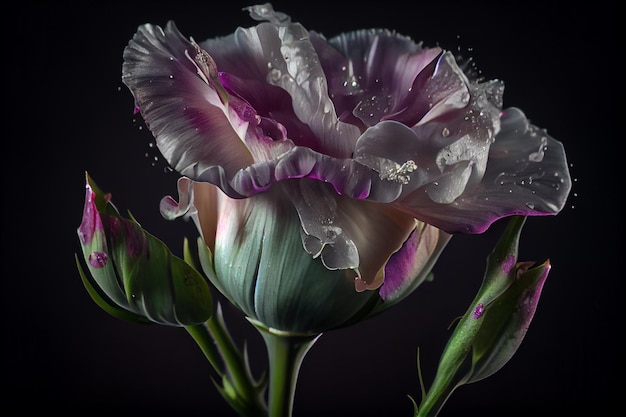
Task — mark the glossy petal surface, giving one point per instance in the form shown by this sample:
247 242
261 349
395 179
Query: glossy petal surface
274 102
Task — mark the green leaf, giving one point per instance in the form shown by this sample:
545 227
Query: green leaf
110 308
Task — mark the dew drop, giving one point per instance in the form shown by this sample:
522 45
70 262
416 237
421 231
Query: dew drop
330 233
98 259
445 132
539 154
274 75
359 284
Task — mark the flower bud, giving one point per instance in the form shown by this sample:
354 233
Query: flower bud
137 278
492 329
506 320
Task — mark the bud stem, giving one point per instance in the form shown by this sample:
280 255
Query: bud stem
218 347
437 396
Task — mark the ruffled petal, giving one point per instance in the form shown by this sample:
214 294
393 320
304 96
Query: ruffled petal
283 55
421 164
441 88
197 201
398 155
348 177
371 72
333 228
409 267
530 164
274 106
181 105
526 174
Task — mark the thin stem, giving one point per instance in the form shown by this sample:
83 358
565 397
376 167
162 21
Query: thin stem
286 353
240 390
203 338
435 400
451 373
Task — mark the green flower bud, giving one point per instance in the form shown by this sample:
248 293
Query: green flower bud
137 278
492 329
506 320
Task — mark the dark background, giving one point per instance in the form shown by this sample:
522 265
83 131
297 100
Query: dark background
67 112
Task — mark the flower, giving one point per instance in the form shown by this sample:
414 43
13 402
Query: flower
138 278
366 150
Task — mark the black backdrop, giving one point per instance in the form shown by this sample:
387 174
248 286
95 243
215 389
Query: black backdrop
67 111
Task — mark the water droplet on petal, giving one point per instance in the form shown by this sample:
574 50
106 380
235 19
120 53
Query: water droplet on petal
539 154
330 233
274 75
359 284
445 132
98 259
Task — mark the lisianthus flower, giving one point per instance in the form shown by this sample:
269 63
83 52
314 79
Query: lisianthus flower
361 139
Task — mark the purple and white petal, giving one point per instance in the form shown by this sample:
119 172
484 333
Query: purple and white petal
183 109
409 267
370 72
282 55
333 228
526 175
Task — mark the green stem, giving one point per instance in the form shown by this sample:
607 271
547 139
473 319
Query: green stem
240 390
286 353
435 400
452 372
203 338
